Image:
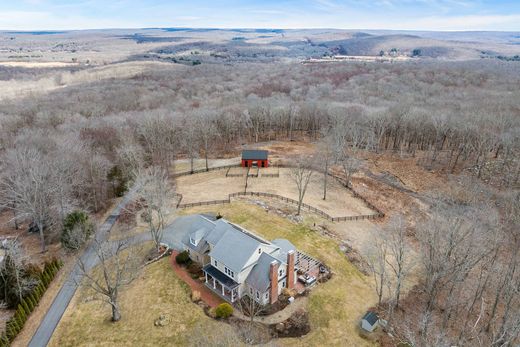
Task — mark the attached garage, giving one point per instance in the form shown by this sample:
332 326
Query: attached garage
255 158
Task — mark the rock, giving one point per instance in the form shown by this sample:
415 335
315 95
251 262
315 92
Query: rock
195 296
162 321
280 327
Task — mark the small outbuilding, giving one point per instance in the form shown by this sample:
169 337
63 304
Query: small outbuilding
253 157
370 321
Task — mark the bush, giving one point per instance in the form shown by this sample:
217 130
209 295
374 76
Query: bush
194 268
183 258
224 310
77 228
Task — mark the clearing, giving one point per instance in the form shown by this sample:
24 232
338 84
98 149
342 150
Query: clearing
214 185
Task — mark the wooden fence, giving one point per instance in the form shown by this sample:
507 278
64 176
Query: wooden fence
378 214
282 198
187 173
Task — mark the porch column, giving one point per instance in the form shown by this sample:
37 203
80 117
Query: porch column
222 289
214 285
206 274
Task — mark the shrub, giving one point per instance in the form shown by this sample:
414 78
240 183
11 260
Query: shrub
224 310
194 268
183 258
77 228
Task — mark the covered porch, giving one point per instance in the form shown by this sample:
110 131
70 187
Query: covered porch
221 284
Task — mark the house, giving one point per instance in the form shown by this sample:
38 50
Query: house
370 321
257 158
236 262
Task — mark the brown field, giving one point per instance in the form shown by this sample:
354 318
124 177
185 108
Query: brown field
215 185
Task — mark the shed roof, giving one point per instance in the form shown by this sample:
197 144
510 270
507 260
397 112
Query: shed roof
258 154
371 317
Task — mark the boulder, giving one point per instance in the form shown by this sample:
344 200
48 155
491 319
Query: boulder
162 321
280 327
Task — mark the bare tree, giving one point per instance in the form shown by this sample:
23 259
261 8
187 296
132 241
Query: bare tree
207 131
377 252
349 165
27 186
399 259
326 155
301 175
154 187
118 267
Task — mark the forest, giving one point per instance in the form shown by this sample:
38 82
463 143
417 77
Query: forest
77 147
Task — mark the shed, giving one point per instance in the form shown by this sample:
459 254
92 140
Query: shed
253 157
370 321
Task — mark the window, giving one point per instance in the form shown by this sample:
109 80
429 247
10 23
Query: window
283 284
259 250
280 273
267 295
192 241
257 295
215 262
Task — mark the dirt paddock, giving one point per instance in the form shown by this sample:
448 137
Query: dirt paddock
214 185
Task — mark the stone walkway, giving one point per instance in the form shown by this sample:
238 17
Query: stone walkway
205 293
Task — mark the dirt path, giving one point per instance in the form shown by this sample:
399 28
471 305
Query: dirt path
280 316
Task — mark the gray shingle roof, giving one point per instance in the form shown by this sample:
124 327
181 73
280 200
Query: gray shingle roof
234 249
371 317
254 154
258 278
198 225
285 247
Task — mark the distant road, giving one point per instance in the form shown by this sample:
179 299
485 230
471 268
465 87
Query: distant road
51 319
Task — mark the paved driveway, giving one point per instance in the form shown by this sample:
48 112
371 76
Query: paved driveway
173 235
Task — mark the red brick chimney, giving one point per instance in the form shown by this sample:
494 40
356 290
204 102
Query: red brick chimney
273 276
290 269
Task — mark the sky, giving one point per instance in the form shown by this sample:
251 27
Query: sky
435 15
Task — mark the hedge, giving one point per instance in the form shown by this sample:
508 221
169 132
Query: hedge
14 325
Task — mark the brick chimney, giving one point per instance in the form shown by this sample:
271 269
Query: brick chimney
273 277
290 269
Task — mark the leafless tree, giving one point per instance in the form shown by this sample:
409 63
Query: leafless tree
118 267
377 253
207 131
399 254
155 188
27 186
301 175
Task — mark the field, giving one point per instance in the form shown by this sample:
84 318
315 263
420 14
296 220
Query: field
214 185
334 307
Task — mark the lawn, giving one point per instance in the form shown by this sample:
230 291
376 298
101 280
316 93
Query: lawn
335 307
156 292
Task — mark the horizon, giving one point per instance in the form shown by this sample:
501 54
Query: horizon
57 31
394 15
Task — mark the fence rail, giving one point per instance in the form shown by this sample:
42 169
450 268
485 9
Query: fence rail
187 173
378 214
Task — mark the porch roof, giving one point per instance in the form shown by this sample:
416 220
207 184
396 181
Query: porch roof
219 276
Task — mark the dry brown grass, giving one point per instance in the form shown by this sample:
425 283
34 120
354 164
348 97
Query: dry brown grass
156 292
215 185
335 307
